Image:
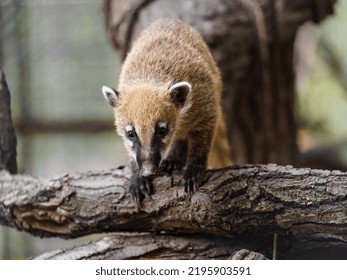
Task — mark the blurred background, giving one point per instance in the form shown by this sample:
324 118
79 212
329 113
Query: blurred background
56 56
321 81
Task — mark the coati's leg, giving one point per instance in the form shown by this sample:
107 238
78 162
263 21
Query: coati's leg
139 186
177 157
199 146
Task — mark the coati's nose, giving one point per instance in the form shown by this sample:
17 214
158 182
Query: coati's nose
148 170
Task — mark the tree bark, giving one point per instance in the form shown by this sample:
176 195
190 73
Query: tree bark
252 42
146 246
248 200
156 246
8 141
240 206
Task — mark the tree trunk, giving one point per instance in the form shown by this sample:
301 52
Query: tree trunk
252 42
8 141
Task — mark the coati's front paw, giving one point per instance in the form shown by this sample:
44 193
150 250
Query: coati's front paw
193 178
169 165
139 188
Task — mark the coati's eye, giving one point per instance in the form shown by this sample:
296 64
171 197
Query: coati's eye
130 132
162 132
131 135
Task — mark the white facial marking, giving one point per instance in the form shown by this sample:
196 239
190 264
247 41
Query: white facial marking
129 143
133 155
162 125
129 127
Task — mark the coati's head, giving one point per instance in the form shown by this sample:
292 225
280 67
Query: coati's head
146 118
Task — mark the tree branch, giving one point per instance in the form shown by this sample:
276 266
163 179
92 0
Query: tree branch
242 200
8 141
147 246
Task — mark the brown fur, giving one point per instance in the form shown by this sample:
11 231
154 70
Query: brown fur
167 107
142 107
170 51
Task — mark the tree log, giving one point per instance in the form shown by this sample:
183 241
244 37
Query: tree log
8 140
241 200
146 246
156 246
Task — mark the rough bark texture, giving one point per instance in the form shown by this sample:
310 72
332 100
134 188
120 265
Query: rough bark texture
156 246
246 200
146 246
244 205
252 42
8 141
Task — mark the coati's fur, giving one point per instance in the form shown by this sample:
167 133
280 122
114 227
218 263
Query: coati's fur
167 106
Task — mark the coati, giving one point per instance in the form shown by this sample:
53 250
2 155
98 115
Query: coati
167 107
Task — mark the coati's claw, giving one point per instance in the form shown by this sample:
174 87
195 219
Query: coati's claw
140 187
193 178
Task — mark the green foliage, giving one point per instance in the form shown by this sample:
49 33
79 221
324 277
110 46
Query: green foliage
322 101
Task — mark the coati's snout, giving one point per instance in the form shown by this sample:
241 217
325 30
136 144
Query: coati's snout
148 162
148 146
148 170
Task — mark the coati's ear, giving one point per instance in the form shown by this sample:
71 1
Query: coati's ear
179 92
111 95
